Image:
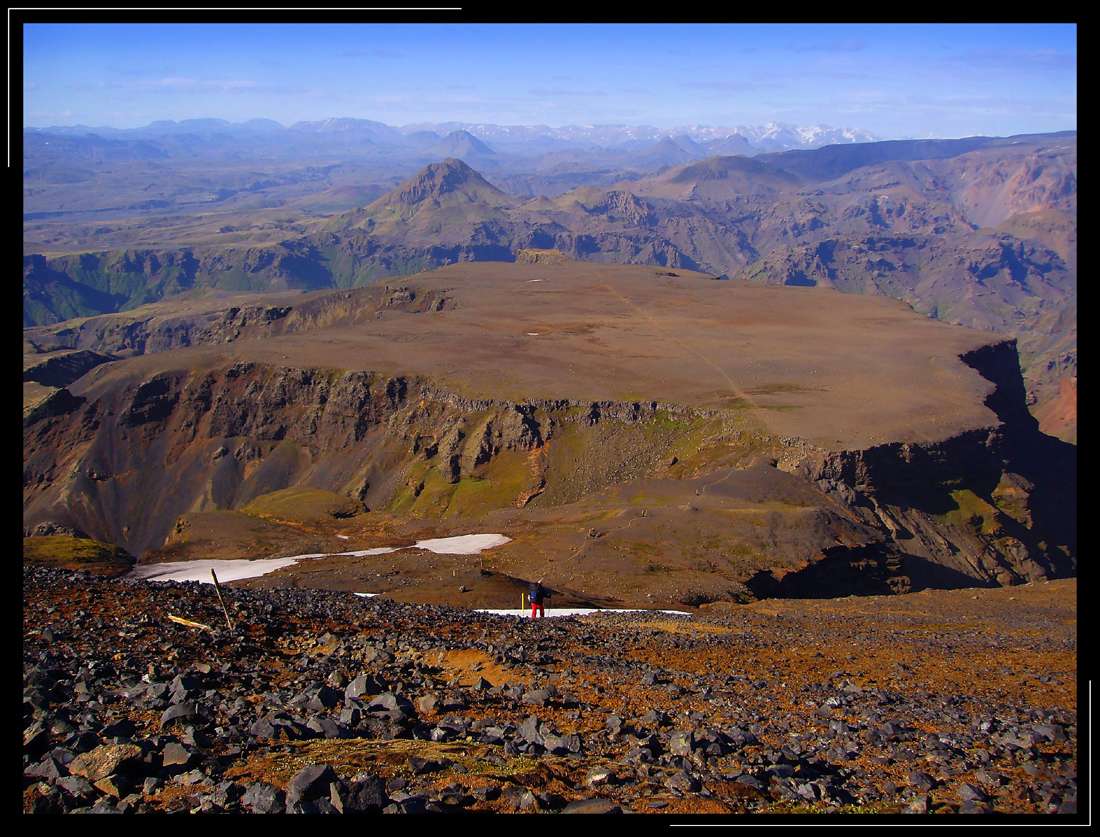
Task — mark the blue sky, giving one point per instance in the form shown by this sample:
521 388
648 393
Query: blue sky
897 81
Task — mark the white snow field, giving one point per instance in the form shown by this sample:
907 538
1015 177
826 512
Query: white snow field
227 570
234 569
238 568
462 544
575 611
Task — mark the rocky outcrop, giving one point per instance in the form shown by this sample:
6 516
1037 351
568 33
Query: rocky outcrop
535 256
226 435
874 570
62 369
625 207
127 336
993 505
57 402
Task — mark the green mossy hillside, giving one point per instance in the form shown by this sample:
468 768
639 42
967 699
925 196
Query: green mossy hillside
67 553
302 504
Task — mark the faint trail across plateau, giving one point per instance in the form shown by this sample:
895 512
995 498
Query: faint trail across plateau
737 391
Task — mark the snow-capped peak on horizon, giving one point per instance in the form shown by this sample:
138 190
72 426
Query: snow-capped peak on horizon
772 136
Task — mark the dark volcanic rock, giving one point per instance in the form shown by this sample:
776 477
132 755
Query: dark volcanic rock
594 805
365 794
105 760
264 798
309 783
897 736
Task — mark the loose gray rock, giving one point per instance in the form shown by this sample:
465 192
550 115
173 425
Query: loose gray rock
426 704
105 760
593 805
176 755
967 792
77 787
537 697
365 794
264 798
362 685
683 782
681 742
309 783
598 776
420 766
920 780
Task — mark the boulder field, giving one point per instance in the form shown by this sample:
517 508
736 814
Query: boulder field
144 698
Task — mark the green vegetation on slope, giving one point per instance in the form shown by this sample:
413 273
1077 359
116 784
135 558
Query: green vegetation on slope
302 504
63 552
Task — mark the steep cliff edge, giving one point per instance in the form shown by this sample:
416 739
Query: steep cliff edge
994 505
990 506
223 436
793 441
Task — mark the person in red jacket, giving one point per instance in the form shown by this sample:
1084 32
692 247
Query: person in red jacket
537 595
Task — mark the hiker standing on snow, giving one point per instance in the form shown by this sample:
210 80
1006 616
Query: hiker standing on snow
537 594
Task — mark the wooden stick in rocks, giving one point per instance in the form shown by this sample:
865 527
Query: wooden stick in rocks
218 590
189 623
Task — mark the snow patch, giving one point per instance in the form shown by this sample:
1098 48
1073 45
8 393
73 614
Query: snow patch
462 544
574 611
234 569
227 570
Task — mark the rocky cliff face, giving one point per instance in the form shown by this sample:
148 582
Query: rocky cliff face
225 436
995 505
151 334
123 335
122 458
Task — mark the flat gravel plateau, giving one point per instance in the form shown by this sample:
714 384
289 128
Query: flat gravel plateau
843 371
939 702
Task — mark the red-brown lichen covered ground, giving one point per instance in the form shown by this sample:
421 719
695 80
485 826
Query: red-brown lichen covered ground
942 701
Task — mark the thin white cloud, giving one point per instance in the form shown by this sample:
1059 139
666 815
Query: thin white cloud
849 45
560 91
183 85
732 86
1021 59
206 83
371 53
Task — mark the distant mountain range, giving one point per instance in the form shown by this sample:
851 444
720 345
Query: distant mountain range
775 136
699 140
978 231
